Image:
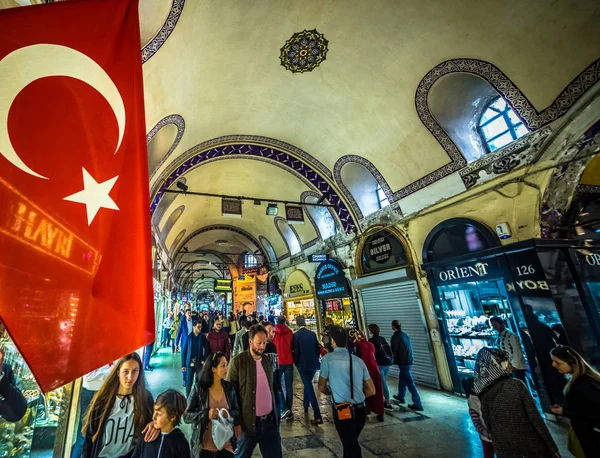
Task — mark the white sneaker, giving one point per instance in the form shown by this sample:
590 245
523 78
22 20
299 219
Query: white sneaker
285 414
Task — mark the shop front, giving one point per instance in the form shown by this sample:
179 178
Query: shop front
299 299
389 291
333 293
538 287
42 431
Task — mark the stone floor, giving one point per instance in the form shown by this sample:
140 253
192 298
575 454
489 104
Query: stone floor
444 429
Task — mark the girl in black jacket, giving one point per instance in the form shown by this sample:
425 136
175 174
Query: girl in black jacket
119 413
171 443
582 398
210 392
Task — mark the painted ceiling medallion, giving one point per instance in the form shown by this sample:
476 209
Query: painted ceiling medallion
304 51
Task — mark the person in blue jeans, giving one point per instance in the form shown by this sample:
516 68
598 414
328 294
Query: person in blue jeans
385 359
404 359
307 352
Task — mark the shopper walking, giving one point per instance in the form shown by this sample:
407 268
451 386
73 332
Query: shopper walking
13 405
271 352
477 418
511 344
168 409
252 377
211 393
120 412
582 400
384 358
194 353
509 411
174 331
238 347
366 352
166 330
283 340
346 378
404 359
91 384
307 352
234 327
219 340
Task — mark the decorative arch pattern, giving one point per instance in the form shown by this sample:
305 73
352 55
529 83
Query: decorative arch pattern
281 224
167 29
174 119
269 150
272 256
303 197
176 241
532 118
224 227
173 217
337 173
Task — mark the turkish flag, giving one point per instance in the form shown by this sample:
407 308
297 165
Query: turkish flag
75 243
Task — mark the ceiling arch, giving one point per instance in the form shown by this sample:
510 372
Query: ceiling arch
156 159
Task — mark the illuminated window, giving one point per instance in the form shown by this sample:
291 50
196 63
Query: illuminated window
499 125
250 261
382 198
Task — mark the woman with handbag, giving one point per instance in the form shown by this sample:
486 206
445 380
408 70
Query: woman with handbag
582 401
211 396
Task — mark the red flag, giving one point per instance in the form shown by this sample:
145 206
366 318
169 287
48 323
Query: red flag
75 244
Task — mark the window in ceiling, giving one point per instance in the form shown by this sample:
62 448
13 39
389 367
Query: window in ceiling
289 235
382 198
250 261
322 218
499 125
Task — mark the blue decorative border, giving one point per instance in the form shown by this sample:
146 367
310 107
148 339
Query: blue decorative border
225 227
179 122
532 118
167 29
311 171
337 173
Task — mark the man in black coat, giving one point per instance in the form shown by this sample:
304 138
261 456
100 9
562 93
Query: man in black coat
404 359
307 351
12 402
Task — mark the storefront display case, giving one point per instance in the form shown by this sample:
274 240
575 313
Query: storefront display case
306 308
333 291
42 430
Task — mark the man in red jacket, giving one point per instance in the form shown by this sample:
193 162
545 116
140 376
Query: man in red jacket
283 341
219 340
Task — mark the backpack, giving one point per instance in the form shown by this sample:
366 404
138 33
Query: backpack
384 353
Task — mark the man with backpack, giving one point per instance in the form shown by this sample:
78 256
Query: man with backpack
385 359
404 358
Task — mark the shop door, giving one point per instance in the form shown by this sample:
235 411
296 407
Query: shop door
400 301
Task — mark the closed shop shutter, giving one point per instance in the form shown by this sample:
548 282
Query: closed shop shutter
400 301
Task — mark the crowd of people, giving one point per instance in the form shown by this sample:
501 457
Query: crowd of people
238 372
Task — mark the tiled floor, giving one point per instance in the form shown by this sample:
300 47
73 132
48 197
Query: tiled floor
443 430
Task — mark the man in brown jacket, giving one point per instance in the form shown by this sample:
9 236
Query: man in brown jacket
252 377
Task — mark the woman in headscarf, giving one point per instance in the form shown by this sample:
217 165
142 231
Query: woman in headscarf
366 351
515 425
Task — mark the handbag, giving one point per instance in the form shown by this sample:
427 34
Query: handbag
222 430
574 445
344 411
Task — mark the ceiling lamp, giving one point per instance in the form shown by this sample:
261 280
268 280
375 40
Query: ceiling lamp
272 210
181 185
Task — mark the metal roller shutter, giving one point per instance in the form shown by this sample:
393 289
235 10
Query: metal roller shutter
400 301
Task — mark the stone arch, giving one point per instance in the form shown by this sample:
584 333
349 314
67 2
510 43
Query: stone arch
154 160
321 217
170 222
282 154
289 235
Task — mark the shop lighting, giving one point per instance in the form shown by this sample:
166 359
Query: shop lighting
272 210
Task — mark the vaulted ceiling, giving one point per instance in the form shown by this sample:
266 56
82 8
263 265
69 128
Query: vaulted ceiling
225 115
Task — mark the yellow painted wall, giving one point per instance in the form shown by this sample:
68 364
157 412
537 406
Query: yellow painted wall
591 175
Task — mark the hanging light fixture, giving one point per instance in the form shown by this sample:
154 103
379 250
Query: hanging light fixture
272 210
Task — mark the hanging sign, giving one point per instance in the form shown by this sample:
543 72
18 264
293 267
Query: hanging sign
382 251
297 284
330 280
223 285
318 257
294 215
231 208
477 270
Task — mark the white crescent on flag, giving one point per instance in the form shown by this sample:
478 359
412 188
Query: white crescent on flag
27 64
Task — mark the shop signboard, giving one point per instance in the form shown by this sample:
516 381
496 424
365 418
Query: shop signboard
528 274
330 280
318 257
294 214
297 285
382 251
589 261
223 285
477 270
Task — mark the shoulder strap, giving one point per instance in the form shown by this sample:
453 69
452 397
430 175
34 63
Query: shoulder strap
351 378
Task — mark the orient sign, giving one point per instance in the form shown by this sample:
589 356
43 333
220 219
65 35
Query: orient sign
472 271
457 273
589 263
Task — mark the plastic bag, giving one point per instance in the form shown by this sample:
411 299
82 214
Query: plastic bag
222 430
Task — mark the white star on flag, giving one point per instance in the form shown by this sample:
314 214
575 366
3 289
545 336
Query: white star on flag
94 195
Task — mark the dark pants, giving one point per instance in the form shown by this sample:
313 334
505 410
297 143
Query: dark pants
190 373
349 431
287 379
232 340
405 380
85 399
266 436
147 354
166 337
219 454
309 392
